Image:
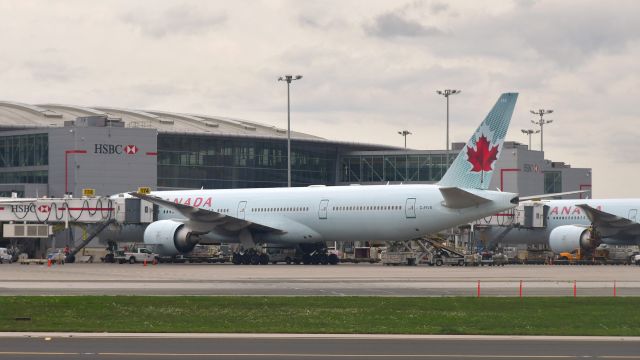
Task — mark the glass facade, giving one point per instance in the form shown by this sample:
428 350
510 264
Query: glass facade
24 177
552 182
193 161
397 167
24 151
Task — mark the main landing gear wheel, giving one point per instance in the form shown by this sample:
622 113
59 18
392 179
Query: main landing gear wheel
250 258
317 254
307 259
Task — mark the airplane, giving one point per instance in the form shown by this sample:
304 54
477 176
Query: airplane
581 224
308 217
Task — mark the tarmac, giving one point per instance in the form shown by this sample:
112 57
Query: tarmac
294 346
299 280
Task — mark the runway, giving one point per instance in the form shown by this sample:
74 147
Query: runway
340 280
282 346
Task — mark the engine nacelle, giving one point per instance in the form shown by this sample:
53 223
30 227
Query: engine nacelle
170 237
567 238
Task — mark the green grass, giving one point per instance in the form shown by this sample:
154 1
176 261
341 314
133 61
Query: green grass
365 315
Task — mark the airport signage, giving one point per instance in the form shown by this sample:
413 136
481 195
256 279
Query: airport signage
23 208
111 149
30 208
531 168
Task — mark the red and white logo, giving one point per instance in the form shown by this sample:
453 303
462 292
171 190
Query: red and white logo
44 208
483 156
130 149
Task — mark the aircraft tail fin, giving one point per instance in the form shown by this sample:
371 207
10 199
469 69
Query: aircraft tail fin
474 165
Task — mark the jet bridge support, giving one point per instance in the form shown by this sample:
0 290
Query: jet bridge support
101 226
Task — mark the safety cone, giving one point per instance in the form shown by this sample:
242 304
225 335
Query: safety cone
145 262
155 261
49 262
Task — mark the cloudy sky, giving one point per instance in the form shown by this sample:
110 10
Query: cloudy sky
370 67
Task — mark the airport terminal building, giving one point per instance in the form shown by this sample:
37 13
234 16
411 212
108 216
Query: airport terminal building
56 149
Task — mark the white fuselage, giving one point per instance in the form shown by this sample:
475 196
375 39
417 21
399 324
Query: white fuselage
339 213
565 212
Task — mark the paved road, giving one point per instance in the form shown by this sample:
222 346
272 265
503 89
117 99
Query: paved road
314 347
344 279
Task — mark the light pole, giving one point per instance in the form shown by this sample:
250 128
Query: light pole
541 123
289 79
530 132
446 93
405 133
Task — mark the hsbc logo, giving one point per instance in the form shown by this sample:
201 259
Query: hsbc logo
44 208
23 208
110 149
130 149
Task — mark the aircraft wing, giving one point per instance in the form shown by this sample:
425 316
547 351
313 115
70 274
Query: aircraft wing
610 225
207 218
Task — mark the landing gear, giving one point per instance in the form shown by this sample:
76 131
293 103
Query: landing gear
317 254
307 254
250 257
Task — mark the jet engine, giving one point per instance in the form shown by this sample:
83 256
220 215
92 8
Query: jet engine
170 237
567 238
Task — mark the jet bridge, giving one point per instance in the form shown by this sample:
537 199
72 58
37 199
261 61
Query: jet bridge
75 210
35 218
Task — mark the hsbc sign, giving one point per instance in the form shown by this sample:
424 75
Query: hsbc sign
110 149
130 149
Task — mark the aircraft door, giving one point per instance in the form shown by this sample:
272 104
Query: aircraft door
322 210
241 209
632 214
410 208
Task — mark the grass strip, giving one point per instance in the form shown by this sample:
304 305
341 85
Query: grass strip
345 315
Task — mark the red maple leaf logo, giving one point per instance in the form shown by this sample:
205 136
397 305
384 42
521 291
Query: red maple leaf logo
482 157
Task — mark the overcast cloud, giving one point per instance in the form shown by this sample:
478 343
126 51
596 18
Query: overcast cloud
370 67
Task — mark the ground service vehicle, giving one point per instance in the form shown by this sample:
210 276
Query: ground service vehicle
444 257
136 255
5 257
200 254
580 256
56 256
283 255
